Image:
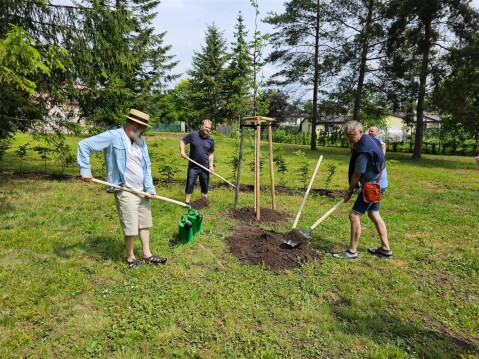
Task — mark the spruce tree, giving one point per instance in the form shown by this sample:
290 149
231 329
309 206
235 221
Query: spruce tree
207 77
119 61
30 64
239 74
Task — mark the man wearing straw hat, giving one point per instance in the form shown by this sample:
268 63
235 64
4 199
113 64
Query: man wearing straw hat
202 148
128 164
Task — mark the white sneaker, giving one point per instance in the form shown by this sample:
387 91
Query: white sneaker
346 255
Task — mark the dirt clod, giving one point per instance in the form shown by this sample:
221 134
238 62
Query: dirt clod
200 203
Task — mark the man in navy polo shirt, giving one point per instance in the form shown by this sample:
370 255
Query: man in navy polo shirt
202 148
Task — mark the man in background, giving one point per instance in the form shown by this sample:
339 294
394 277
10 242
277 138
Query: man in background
202 148
373 132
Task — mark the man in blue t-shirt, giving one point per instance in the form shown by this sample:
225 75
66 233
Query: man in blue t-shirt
365 165
373 132
202 148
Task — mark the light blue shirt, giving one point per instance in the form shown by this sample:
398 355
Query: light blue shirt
114 146
364 165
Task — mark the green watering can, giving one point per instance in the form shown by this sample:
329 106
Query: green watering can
196 220
185 230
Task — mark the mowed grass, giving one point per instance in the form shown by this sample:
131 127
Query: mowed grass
66 292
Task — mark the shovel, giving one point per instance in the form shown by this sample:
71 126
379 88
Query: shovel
213 173
289 241
182 204
306 235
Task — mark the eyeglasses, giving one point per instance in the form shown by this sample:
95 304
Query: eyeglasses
351 135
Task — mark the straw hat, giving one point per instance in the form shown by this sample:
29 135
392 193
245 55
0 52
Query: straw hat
138 116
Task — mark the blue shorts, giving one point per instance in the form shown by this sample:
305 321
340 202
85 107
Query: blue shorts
193 174
361 207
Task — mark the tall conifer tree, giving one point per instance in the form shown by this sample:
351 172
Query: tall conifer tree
207 77
238 79
301 45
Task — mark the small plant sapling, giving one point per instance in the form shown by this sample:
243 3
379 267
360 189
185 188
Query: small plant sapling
303 167
21 152
43 152
280 165
167 172
331 172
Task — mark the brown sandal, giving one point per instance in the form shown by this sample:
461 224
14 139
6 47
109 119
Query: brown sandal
133 264
155 260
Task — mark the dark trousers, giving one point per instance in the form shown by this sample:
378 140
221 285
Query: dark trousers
193 174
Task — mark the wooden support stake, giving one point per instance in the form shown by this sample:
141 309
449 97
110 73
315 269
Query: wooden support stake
238 175
258 162
271 167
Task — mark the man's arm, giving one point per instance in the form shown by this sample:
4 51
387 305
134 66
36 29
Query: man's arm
383 146
352 185
86 147
182 149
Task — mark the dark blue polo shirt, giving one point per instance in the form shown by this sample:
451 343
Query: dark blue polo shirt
200 148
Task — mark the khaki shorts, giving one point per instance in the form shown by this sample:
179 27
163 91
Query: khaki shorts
134 212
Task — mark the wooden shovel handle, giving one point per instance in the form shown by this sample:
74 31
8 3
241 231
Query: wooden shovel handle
213 173
326 215
182 204
307 192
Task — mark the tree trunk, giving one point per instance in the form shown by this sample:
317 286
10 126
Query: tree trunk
363 62
422 91
314 120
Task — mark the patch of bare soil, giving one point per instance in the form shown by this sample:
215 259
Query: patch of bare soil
248 214
200 203
253 245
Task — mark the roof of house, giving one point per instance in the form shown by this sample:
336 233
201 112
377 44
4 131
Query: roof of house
427 118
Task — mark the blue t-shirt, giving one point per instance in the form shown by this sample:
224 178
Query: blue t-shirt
200 148
364 165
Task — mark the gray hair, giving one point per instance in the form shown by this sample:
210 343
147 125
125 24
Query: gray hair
205 121
353 126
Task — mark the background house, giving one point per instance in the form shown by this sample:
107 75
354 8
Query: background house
396 127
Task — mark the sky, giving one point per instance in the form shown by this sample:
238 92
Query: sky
186 21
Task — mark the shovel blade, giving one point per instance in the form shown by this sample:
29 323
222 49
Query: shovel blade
306 234
290 242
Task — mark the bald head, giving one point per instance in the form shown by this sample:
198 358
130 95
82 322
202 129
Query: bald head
373 131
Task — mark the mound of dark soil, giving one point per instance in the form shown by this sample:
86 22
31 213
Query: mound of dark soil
253 245
248 214
200 203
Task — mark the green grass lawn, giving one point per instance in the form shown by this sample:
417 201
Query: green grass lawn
66 292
